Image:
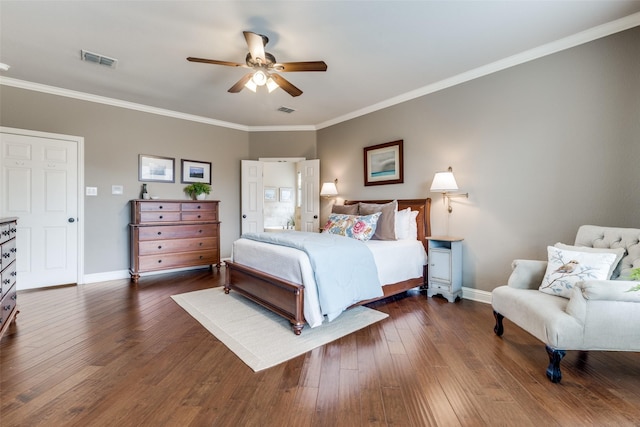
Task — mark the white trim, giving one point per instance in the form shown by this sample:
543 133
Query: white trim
124 274
476 295
22 84
511 61
79 140
577 39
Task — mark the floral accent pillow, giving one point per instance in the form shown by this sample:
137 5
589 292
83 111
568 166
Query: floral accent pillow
565 268
354 226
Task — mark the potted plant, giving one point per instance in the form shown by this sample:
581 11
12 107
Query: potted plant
198 190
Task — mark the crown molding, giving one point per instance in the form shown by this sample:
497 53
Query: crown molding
577 39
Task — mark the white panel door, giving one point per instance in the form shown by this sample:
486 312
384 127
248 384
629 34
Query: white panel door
310 206
39 185
252 198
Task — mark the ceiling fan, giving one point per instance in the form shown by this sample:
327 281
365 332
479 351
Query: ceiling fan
265 69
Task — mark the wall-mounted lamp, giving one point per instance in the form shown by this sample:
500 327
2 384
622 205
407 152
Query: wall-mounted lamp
329 189
444 182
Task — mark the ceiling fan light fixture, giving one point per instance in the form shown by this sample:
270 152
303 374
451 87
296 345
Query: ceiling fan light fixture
272 85
259 78
251 85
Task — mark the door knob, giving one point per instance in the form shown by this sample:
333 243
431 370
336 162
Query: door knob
71 220
244 216
315 217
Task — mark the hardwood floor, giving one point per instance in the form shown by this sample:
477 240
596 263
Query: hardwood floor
110 354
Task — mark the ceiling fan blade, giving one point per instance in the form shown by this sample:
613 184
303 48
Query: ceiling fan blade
301 66
216 62
285 85
256 44
240 84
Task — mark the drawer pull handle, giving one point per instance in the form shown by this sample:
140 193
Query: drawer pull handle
159 261
200 243
6 281
7 307
199 231
14 273
199 216
198 206
160 207
201 257
159 233
161 217
6 255
159 247
14 297
14 250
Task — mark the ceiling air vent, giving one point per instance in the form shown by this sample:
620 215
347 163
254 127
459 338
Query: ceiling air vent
98 59
286 109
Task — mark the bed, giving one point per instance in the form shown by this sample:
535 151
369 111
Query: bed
276 276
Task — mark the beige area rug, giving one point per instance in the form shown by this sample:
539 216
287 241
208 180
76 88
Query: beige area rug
257 336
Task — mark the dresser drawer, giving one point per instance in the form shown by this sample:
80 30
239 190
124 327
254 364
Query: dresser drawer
7 305
185 259
8 251
162 232
5 233
8 278
160 206
176 245
199 216
159 216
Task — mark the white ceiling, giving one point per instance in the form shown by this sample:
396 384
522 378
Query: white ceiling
378 52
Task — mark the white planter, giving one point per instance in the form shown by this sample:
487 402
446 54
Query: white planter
201 196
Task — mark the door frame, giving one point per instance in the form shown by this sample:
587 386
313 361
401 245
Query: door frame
80 185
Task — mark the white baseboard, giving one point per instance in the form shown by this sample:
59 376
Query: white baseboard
476 295
124 274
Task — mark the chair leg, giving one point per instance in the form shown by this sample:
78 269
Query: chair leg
553 370
498 329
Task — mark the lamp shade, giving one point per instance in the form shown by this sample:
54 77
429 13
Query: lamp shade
328 189
443 182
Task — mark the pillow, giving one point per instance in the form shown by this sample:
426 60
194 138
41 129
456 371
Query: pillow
386 229
345 209
565 268
620 252
357 227
402 223
413 226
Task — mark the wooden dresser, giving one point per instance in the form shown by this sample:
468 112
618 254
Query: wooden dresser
8 294
168 234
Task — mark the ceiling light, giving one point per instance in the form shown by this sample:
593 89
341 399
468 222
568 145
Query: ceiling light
272 85
4 67
251 85
259 78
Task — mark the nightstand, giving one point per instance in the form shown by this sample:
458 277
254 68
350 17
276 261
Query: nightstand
444 274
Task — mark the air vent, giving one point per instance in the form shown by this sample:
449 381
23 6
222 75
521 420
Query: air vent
286 109
96 58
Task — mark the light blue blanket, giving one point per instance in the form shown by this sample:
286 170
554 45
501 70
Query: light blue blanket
344 268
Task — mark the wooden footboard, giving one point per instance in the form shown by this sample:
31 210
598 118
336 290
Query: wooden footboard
280 296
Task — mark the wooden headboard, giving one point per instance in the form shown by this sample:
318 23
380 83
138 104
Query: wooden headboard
423 206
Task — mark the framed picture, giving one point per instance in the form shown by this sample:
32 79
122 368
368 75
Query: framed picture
383 164
194 171
156 168
286 194
270 194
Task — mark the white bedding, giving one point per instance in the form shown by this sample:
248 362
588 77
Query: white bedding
396 261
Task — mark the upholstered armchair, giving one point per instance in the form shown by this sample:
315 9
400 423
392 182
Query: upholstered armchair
572 305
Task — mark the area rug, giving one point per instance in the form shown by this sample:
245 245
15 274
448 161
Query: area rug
259 337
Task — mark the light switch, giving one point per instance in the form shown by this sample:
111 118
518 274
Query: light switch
117 189
91 191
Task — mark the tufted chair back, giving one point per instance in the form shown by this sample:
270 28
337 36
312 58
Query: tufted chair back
594 236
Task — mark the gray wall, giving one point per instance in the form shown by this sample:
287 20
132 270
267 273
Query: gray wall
541 148
113 139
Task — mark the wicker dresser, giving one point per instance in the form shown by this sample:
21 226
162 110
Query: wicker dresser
8 294
170 234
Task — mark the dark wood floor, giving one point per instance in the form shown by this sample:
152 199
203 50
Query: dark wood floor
109 354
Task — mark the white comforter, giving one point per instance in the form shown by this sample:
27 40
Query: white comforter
396 261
